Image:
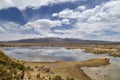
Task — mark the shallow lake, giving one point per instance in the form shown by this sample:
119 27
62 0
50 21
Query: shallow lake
46 54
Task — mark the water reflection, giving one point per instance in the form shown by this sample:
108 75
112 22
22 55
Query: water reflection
48 54
60 53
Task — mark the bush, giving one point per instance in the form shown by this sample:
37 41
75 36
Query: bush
9 68
57 78
68 78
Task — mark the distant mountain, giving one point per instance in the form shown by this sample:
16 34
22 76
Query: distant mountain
57 40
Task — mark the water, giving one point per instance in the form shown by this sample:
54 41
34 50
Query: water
48 54
40 54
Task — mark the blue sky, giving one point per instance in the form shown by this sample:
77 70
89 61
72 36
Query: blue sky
83 19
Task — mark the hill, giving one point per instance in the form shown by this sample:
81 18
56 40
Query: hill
57 40
10 69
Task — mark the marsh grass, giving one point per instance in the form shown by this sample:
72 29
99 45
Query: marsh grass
111 52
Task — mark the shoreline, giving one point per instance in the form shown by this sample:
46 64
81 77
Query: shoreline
42 70
65 68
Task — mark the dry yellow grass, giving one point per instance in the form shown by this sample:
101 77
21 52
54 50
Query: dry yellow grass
111 52
64 68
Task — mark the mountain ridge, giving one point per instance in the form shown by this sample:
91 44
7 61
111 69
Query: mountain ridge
56 40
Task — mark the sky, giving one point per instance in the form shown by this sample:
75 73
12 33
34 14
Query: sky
82 19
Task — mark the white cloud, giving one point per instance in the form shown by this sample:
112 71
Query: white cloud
65 21
98 13
67 13
108 37
76 14
2 29
13 31
54 14
81 8
10 27
101 23
16 36
22 4
108 12
43 23
43 26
